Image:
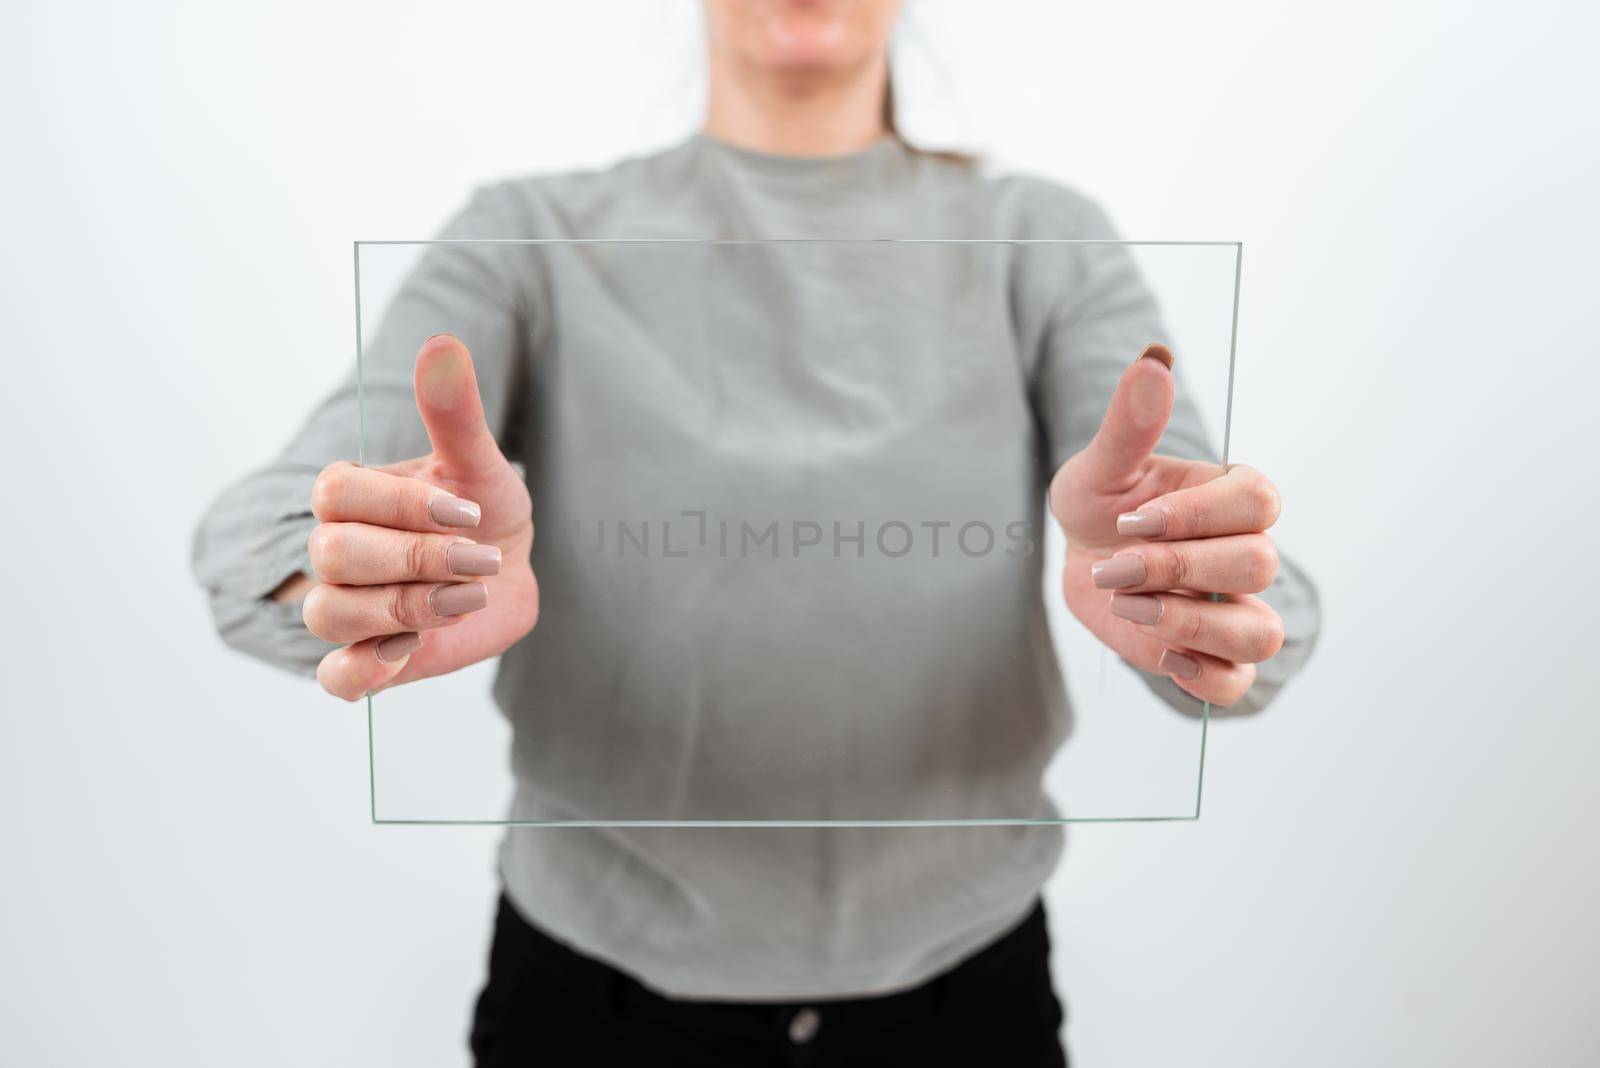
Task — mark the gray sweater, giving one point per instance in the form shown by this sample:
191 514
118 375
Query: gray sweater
741 467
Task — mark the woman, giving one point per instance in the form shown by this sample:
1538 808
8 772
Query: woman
743 947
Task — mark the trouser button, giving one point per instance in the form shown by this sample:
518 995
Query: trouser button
804 1025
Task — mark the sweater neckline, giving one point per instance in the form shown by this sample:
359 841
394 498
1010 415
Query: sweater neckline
860 161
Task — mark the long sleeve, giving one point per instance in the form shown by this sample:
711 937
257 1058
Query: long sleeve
253 537
1105 318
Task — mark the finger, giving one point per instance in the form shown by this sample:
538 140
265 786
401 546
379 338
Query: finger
359 554
447 397
1239 501
346 614
1234 563
1133 423
1245 629
346 493
366 666
1221 682
1201 675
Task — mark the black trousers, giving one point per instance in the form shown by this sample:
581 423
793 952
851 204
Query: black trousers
546 1005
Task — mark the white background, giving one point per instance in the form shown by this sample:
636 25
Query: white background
1397 863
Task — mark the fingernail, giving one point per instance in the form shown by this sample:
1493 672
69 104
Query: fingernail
398 646
450 511
458 598
1179 666
463 559
1118 572
1136 607
1145 523
1158 352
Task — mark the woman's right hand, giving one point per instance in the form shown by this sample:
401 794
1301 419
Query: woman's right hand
422 566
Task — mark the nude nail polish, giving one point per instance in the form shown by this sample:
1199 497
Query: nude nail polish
1126 569
458 598
464 559
450 511
1136 607
1176 664
1145 523
1157 351
397 646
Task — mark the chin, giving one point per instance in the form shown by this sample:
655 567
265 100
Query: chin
802 35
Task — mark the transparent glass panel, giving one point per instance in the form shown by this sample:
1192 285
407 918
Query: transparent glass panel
795 555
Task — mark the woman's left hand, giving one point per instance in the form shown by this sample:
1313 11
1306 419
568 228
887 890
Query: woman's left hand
1150 538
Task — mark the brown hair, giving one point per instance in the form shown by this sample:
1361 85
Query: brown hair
891 123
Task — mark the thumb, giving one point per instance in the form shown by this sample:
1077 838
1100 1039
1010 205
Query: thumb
452 411
1134 421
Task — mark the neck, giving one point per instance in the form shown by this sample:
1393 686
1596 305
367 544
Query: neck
791 114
